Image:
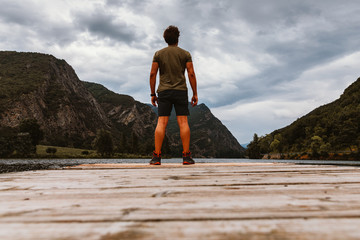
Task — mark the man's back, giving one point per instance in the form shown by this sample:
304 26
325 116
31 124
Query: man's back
172 92
172 64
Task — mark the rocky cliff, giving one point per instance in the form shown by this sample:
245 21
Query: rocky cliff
69 111
40 86
209 137
131 120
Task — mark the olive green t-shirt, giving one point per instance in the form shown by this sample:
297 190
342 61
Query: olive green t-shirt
172 64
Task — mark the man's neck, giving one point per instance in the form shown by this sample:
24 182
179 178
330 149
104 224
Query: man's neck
173 45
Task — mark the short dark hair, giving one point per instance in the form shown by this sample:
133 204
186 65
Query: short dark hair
171 35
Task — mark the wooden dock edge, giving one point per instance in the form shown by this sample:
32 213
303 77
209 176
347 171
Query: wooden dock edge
212 201
165 165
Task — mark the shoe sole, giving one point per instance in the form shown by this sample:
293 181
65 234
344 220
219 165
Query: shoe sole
157 163
187 163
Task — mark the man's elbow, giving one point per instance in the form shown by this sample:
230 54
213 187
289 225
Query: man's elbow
152 75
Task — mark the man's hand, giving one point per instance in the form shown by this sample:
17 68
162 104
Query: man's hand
192 80
153 73
194 100
154 100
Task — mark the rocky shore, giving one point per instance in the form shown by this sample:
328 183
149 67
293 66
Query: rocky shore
20 167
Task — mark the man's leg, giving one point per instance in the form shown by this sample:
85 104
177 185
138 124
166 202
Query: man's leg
160 132
184 132
185 138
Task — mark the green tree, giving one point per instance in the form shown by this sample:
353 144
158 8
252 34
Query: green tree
134 143
265 143
33 128
348 134
316 142
325 147
11 141
253 149
125 146
7 141
24 146
103 143
120 147
319 131
275 146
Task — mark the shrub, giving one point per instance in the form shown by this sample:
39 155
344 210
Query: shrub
51 150
85 152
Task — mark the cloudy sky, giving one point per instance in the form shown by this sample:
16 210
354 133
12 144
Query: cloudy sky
260 64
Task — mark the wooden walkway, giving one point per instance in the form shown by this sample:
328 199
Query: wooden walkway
204 201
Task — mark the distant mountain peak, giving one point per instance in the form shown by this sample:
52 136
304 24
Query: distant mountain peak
209 137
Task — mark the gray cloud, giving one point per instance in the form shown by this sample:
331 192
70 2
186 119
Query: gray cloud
267 15
247 54
313 45
105 25
33 23
12 12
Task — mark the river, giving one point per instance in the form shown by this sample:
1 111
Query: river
11 165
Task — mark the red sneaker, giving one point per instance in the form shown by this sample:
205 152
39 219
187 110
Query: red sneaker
187 159
156 160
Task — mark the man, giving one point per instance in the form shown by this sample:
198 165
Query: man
172 90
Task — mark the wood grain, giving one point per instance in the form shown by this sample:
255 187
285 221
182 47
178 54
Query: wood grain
171 201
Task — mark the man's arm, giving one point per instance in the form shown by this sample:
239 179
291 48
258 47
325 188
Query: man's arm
192 80
153 73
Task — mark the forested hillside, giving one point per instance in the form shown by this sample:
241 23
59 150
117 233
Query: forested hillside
334 127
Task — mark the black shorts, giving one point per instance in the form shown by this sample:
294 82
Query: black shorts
168 98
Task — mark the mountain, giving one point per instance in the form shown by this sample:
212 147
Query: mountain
70 111
131 120
330 128
40 86
209 137
245 145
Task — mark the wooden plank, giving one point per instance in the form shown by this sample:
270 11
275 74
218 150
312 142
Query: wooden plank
171 201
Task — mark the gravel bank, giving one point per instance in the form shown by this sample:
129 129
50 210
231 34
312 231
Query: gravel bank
20 167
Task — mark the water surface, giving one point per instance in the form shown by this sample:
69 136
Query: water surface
67 162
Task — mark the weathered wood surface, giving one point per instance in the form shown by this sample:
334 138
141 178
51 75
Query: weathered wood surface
204 201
